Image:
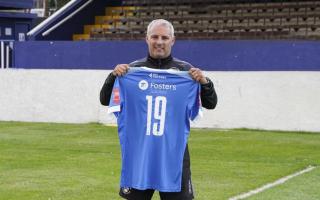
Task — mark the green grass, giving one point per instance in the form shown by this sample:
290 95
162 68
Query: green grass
305 186
82 161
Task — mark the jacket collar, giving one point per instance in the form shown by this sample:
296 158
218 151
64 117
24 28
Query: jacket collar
159 62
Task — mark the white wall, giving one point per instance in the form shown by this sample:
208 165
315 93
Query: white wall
264 100
267 100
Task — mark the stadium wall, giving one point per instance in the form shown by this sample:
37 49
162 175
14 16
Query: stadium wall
276 100
23 4
208 54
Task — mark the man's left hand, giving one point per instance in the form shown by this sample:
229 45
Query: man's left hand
197 75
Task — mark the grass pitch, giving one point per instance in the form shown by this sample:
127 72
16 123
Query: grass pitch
82 161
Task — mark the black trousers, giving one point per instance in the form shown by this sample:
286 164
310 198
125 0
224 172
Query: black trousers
186 192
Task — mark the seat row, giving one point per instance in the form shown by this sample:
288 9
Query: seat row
132 20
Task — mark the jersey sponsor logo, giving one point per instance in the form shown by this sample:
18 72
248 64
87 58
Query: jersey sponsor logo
162 86
157 76
143 85
116 96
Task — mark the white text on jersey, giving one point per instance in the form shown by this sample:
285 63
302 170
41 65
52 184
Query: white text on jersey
162 86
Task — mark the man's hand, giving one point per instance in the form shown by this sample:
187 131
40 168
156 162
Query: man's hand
120 70
197 75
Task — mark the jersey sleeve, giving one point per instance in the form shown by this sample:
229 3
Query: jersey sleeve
115 100
195 103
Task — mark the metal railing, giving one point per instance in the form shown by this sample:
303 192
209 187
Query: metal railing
6 48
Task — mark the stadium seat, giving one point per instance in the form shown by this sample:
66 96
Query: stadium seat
210 19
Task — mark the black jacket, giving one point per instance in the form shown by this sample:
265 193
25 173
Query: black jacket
208 94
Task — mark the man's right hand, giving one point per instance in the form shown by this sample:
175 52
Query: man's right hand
120 70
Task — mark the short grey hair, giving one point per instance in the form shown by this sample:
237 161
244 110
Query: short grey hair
160 22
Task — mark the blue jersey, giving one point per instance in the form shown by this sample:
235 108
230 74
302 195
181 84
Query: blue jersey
153 109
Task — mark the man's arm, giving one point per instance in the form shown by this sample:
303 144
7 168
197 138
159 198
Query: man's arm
208 95
106 90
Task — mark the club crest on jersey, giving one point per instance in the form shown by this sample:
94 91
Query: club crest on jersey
143 85
116 95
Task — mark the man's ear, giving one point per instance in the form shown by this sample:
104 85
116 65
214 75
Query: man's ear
173 40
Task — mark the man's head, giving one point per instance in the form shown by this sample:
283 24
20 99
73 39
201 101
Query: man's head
160 38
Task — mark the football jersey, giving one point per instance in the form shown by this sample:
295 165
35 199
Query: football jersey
153 109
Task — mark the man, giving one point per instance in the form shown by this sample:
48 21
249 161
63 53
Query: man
160 39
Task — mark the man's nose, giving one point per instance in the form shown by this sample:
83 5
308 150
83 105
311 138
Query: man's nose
159 41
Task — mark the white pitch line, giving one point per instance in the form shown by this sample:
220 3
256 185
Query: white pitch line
270 185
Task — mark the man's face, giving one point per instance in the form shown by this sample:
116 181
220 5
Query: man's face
159 41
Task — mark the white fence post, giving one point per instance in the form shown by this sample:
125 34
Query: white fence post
5 54
2 55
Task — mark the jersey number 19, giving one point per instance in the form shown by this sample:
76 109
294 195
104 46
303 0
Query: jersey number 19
159 113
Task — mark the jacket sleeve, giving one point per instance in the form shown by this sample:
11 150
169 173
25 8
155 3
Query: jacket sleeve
106 90
208 95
